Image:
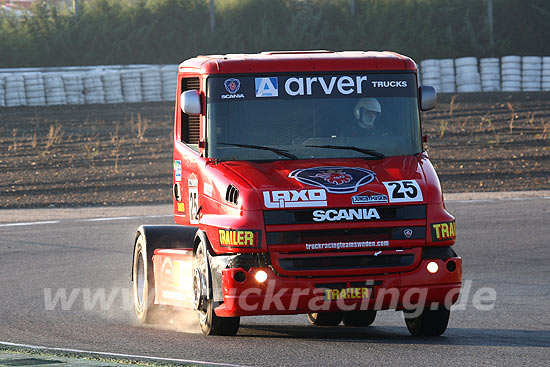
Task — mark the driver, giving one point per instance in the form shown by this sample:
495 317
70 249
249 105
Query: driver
367 111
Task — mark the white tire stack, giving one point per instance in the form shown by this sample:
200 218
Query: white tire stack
431 73
131 85
546 73
14 90
511 73
34 89
490 74
55 90
93 88
2 88
169 75
74 89
467 75
151 88
112 86
531 73
448 80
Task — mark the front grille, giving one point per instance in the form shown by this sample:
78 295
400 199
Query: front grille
350 235
345 262
303 216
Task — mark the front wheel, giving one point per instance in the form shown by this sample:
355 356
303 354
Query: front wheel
359 318
325 318
428 322
210 323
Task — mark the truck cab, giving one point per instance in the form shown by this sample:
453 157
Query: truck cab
301 186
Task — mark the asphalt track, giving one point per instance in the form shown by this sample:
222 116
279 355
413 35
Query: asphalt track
503 241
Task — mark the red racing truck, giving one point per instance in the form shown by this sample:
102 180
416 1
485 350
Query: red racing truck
301 186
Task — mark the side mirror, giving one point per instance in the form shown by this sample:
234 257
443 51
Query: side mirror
190 101
428 97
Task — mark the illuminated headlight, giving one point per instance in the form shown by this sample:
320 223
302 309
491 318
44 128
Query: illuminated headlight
261 276
432 267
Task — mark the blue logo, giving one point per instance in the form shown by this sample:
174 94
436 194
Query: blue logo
232 85
336 180
267 87
369 197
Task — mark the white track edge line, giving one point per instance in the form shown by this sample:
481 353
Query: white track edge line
9 344
28 223
82 220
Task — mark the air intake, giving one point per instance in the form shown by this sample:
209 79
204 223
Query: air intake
232 194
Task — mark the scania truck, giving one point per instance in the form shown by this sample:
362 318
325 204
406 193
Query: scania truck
301 186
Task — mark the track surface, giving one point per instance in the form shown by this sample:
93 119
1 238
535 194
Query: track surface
504 245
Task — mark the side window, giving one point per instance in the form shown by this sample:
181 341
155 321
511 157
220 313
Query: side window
190 124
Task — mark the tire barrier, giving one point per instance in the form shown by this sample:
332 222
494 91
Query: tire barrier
468 78
531 73
468 74
448 78
490 74
87 85
546 73
152 83
55 90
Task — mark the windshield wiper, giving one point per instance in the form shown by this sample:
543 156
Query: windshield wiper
370 152
275 150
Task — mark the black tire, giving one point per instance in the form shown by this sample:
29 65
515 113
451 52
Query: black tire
210 323
325 318
144 283
359 318
428 323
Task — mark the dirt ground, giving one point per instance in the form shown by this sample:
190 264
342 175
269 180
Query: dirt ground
104 155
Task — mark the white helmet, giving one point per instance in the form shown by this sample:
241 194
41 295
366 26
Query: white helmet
367 111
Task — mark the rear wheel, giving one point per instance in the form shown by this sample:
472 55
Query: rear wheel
359 318
210 323
428 322
325 318
143 283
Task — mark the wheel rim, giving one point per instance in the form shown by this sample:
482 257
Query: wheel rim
199 285
140 280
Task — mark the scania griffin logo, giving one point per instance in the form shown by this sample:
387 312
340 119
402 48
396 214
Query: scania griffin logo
336 180
232 85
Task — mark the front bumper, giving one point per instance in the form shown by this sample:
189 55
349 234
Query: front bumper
243 295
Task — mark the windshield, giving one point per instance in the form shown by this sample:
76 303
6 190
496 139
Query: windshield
312 116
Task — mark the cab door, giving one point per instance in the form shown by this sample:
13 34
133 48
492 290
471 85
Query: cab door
187 155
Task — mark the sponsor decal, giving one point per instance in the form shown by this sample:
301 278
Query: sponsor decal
207 189
346 245
336 180
232 85
192 181
295 198
181 208
193 205
390 84
182 272
404 191
299 86
177 171
443 231
239 238
408 232
369 197
335 215
347 293
267 87
312 86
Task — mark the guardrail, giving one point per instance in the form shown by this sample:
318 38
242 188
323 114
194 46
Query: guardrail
151 83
